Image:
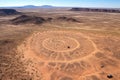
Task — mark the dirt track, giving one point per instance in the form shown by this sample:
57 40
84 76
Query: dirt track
66 55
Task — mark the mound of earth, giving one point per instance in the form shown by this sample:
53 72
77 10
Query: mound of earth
8 12
96 10
23 19
63 18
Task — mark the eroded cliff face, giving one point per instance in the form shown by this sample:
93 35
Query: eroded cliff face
96 10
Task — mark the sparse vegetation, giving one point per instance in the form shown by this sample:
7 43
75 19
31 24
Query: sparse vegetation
76 46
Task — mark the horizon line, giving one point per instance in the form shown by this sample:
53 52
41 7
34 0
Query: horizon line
57 6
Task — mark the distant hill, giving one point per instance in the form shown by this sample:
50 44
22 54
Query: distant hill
28 6
47 6
31 6
4 12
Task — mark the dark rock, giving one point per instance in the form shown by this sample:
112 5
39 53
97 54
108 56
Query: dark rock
68 47
102 66
72 20
24 19
63 18
49 19
109 76
4 12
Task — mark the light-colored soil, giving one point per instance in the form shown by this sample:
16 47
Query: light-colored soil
61 50
83 60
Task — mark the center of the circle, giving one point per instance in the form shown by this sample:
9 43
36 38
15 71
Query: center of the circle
60 44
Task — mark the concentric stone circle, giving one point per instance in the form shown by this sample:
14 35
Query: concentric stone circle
60 45
76 56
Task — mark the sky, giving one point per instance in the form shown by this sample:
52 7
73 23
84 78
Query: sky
64 3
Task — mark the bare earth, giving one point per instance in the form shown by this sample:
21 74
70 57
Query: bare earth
61 50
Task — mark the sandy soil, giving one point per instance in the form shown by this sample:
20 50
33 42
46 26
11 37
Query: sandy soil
69 55
60 50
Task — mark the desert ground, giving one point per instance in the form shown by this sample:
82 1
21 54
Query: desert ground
58 44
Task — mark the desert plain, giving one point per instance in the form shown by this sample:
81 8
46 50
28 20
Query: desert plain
59 44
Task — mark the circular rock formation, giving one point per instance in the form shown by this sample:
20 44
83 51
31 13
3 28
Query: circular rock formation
60 55
69 46
66 55
60 44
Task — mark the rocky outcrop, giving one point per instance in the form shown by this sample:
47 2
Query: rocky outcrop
4 12
96 10
26 19
63 18
23 19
